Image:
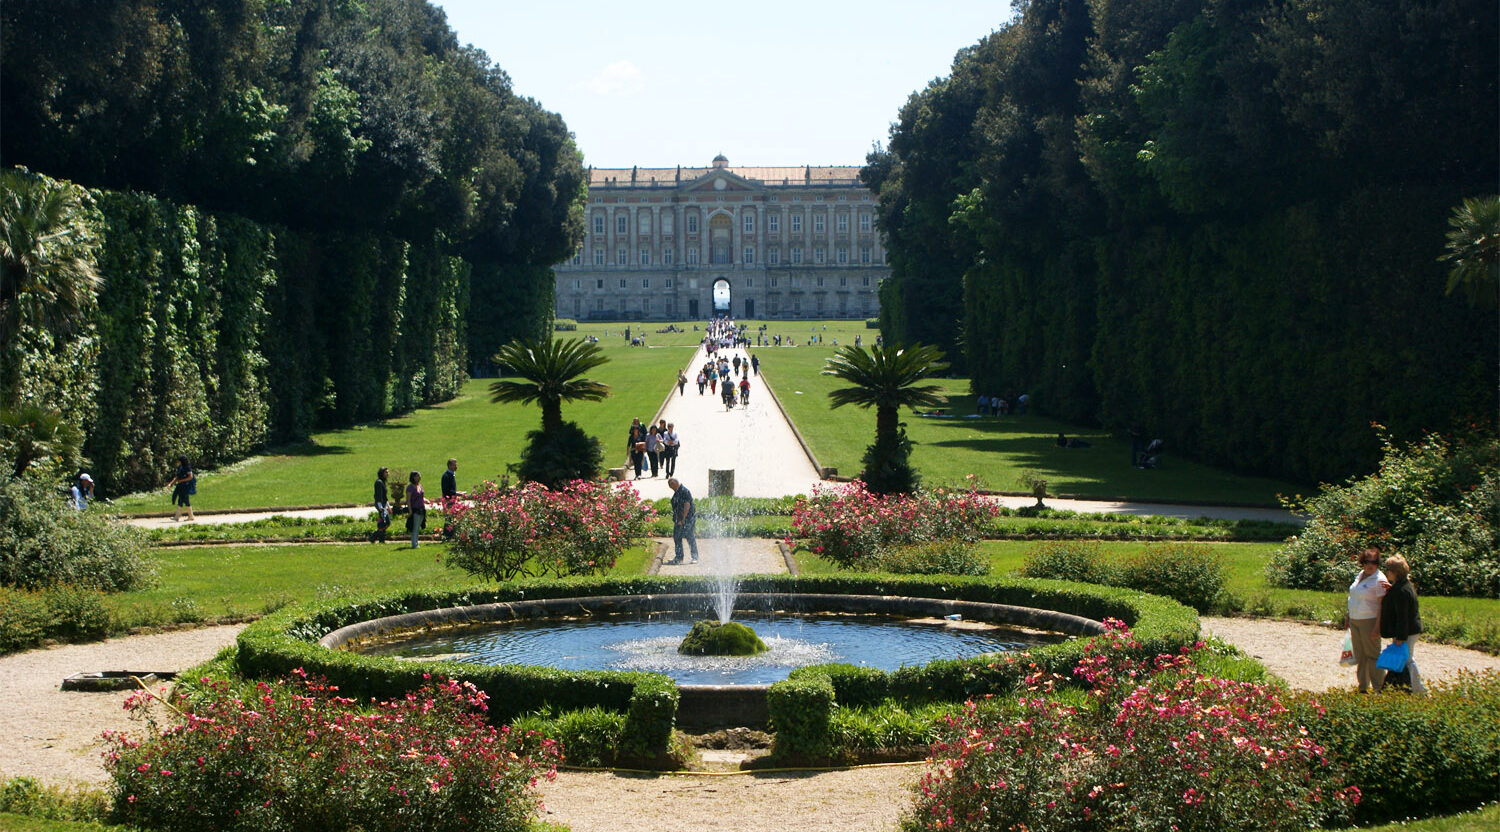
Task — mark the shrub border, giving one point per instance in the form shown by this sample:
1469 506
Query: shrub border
288 639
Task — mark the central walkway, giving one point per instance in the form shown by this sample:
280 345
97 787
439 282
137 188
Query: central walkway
756 442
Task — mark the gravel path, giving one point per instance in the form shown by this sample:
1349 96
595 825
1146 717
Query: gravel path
54 735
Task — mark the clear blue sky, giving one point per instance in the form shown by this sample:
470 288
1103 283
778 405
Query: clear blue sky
767 82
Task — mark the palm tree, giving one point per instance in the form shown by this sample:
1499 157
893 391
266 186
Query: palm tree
549 373
885 378
1474 250
31 435
47 276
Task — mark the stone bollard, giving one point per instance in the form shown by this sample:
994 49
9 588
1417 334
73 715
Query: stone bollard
721 483
617 475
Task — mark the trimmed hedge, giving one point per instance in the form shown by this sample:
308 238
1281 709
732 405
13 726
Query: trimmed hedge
1413 756
286 640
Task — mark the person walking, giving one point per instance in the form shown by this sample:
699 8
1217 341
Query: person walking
755 364
416 507
713 380
637 445
449 485
744 392
702 382
1364 620
653 449
184 485
671 442
1401 619
684 520
681 383
382 506
728 394
81 491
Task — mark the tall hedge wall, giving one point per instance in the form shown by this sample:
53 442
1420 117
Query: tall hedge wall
214 335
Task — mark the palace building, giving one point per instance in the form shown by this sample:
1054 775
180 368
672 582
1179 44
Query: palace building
689 243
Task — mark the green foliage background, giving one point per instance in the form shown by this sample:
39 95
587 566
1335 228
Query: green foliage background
1217 221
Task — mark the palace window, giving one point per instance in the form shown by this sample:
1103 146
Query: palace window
820 224
578 257
645 257
643 222
820 255
749 283
842 254
599 284
775 281
749 223
666 223
796 223
599 224
622 223
749 255
578 284
865 281
820 281
843 281
773 223
692 223
622 283
692 255
864 254
622 257
599 256
796 254
669 283
841 223
864 222
645 283
773 256
666 256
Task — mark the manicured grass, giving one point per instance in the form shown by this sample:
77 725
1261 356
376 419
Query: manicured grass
210 583
995 449
339 466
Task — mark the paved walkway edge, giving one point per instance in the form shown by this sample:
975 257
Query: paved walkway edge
817 466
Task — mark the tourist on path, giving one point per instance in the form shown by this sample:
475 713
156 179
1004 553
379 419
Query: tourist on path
637 445
728 394
382 506
184 485
81 491
670 442
1364 620
681 383
755 364
653 449
449 485
1401 619
684 519
702 382
744 392
416 507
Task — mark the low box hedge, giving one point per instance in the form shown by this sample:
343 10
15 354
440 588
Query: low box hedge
286 640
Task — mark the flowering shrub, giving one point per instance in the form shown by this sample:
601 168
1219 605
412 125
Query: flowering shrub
579 529
1433 501
852 527
1157 745
298 756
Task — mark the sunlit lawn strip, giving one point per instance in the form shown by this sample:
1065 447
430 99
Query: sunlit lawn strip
230 582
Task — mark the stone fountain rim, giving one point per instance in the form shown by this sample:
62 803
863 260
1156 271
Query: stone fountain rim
542 608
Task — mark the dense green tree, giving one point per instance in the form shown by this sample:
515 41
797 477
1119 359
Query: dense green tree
549 372
886 378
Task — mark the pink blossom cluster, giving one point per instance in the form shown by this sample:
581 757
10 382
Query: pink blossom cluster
298 756
579 529
851 526
1156 745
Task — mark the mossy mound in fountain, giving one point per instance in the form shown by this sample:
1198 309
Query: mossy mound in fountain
710 638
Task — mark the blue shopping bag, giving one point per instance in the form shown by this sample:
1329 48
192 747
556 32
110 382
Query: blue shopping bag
1393 657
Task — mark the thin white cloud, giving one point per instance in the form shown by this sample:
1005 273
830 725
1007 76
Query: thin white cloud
620 78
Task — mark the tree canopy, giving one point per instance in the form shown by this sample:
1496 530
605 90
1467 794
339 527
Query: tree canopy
1215 220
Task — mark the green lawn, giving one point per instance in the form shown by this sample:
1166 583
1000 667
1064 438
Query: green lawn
206 583
994 449
338 466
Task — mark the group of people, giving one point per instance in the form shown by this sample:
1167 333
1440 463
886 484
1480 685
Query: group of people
1002 405
718 374
416 503
1383 607
656 444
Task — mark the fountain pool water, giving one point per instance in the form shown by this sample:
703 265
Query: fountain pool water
649 642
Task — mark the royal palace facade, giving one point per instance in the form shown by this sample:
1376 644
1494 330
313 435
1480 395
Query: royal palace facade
673 244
